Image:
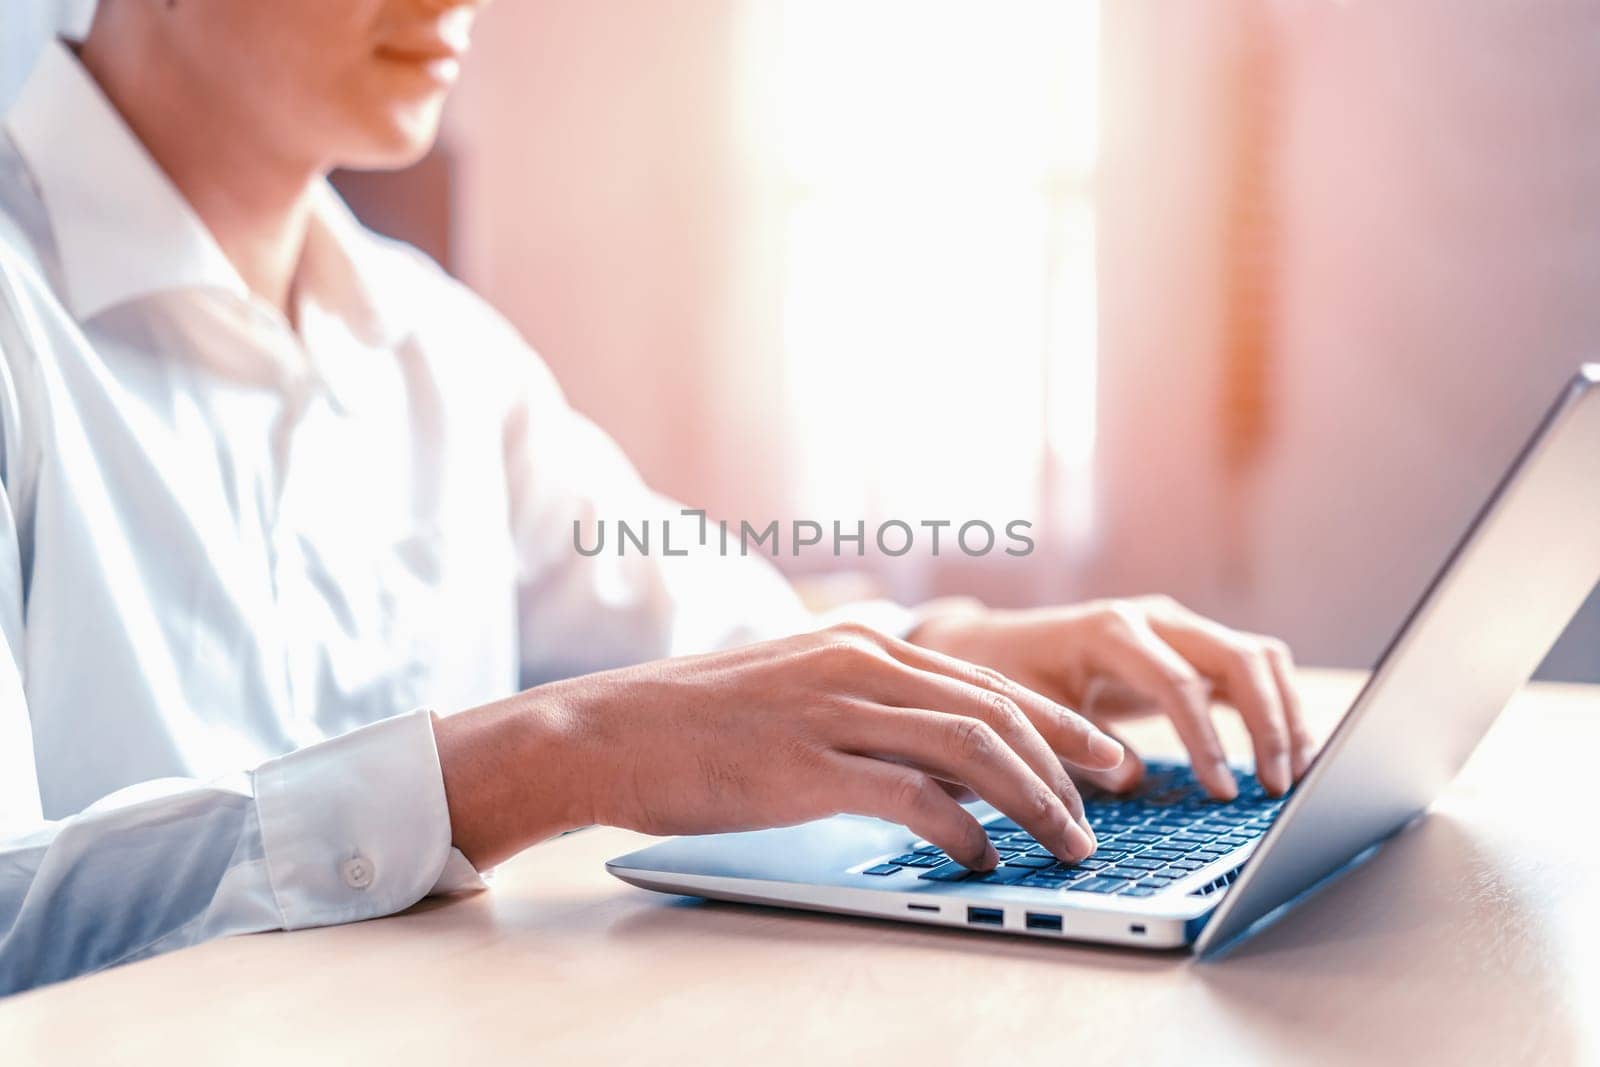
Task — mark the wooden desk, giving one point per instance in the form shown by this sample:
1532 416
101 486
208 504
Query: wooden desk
1473 938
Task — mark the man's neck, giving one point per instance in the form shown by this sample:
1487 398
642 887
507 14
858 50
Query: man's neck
256 207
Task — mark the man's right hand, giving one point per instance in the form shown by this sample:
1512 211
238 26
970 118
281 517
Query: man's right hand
773 734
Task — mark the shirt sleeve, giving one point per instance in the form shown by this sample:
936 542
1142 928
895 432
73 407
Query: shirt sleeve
587 600
304 840
352 828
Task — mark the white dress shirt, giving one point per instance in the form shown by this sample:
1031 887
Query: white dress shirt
236 558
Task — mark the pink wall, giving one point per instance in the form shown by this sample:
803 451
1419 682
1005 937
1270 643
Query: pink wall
1440 198
1443 177
1440 204
604 207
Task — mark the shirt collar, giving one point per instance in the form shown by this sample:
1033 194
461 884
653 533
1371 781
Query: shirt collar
123 231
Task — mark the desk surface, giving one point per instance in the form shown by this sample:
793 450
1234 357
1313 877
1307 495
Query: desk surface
1471 938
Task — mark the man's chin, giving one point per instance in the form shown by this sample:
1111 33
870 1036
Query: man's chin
403 139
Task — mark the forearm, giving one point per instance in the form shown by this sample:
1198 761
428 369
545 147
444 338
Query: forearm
513 774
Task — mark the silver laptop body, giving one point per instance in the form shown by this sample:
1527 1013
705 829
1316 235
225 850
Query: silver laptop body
1501 599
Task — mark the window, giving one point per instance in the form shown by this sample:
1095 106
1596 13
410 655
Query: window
936 164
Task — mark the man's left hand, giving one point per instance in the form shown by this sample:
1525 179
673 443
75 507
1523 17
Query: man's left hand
1110 659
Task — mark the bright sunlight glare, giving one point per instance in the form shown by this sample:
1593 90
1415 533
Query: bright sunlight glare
940 291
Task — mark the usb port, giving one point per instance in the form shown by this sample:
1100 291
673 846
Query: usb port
1040 921
986 916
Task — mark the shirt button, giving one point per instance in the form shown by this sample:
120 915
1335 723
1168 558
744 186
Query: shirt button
358 872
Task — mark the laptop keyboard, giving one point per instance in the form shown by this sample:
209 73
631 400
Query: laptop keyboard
1148 840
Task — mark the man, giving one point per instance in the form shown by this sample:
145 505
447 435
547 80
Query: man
286 525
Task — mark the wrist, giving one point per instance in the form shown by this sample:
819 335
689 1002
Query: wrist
953 626
513 775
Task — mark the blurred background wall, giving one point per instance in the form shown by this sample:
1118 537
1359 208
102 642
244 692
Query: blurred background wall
1247 301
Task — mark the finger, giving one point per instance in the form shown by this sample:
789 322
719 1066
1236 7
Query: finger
1239 664
1133 652
903 685
911 798
1065 732
969 750
958 792
1302 746
1106 698
1125 777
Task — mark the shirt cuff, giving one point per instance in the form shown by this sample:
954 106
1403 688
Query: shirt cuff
358 826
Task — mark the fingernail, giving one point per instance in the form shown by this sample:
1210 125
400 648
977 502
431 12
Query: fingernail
1282 776
1227 788
1106 750
1080 842
1094 841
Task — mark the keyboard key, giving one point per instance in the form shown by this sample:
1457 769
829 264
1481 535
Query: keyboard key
1123 874
1005 825
947 872
1180 847
1139 891
1097 885
1160 854
1143 864
1001 875
1182 865
882 869
917 859
1036 862
1046 879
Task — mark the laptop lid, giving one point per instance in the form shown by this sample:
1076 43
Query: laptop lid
1503 596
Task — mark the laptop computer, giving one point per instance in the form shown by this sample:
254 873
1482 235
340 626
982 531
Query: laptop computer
1174 868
